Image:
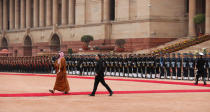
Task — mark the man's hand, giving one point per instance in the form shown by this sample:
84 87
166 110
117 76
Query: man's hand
96 74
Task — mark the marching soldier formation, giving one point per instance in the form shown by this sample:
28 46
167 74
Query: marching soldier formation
163 66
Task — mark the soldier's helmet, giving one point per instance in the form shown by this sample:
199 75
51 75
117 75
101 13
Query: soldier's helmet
173 54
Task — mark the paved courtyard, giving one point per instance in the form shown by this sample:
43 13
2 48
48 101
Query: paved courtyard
29 93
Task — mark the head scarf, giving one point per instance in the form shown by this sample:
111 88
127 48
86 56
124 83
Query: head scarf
61 54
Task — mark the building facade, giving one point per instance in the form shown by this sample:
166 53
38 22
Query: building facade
31 26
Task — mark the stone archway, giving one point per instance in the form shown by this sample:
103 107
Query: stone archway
27 46
55 43
4 43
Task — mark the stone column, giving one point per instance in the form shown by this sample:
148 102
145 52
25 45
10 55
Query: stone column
192 13
23 15
64 12
41 12
71 12
17 14
55 11
28 13
1 15
36 13
80 12
208 17
49 13
5 16
106 10
11 14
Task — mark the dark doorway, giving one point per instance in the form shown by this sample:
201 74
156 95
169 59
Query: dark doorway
16 52
27 46
112 10
4 43
55 43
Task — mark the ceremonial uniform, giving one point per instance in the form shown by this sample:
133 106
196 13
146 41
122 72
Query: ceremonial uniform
191 67
173 66
179 66
168 66
185 66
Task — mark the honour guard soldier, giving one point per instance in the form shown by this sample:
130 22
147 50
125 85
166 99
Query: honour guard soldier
134 66
191 66
121 66
168 66
112 65
157 66
173 65
139 65
116 66
185 66
144 59
162 66
67 63
179 66
130 73
126 69
153 66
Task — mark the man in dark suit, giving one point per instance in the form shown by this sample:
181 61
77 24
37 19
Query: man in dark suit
200 66
99 77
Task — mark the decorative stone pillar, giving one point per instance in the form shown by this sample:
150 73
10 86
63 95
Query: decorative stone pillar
1 15
192 13
71 12
41 12
17 14
106 10
36 13
5 17
28 13
11 14
64 12
80 14
49 13
208 17
55 11
23 15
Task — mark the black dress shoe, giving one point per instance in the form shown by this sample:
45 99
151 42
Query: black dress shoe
66 93
196 83
110 94
205 83
91 94
51 91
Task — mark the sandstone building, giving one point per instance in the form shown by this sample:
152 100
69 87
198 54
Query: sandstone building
31 26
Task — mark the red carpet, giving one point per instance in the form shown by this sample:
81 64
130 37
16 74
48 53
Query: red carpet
117 79
116 92
102 92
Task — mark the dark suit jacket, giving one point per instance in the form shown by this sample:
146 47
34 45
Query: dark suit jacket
100 68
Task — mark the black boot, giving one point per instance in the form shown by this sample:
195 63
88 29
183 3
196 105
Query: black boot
205 83
91 94
110 94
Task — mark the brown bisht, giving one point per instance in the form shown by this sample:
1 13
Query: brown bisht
61 83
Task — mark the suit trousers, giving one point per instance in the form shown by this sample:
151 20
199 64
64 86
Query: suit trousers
100 79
